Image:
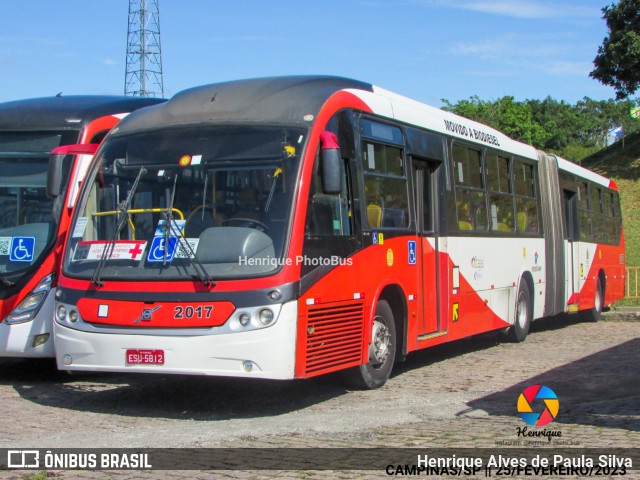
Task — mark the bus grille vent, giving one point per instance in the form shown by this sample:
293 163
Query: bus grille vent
334 337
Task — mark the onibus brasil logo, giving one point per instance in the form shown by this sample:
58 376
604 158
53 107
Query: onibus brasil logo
538 405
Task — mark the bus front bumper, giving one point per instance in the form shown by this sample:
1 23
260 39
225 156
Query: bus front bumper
264 353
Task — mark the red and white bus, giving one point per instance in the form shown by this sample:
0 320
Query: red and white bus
33 226
289 227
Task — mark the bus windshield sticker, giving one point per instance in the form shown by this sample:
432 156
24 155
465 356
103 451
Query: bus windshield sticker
120 250
5 244
81 226
177 227
162 249
22 249
183 249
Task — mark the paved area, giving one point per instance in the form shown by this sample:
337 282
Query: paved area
461 395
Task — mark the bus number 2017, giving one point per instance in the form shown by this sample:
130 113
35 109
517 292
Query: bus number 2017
191 312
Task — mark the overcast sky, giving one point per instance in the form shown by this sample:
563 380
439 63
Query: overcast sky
424 49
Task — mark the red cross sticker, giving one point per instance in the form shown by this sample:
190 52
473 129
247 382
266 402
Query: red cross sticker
136 251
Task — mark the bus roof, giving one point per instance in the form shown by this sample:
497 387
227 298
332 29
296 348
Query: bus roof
66 112
284 100
297 100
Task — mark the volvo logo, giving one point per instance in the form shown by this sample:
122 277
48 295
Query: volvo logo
147 313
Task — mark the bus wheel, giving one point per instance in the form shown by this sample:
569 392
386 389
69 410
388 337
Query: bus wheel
520 328
595 313
382 351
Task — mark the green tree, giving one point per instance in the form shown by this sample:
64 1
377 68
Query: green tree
505 114
617 63
570 131
558 122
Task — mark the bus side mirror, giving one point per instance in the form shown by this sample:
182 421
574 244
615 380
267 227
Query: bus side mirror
331 163
55 176
60 164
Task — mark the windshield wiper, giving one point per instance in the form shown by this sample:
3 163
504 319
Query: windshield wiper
169 219
173 227
7 283
120 222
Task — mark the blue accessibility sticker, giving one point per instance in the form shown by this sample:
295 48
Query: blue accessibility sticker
22 249
161 250
412 252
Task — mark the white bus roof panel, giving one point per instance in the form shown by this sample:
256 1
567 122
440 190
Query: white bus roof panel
403 109
576 169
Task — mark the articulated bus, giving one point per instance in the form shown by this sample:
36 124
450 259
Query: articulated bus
33 226
290 227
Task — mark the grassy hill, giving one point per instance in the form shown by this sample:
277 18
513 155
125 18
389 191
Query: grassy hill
621 163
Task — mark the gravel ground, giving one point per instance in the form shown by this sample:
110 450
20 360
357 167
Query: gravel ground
460 395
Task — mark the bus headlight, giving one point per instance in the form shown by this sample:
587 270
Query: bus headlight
32 300
67 315
253 318
61 313
244 319
266 316
31 304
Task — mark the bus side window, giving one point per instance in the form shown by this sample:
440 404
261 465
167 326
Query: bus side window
526 202
584 216
385 185
471 199
498 169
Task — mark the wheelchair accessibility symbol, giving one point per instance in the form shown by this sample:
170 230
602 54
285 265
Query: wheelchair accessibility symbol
22 249
157 249
411 244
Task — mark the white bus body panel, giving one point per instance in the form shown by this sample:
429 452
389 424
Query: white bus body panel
270 350
495 266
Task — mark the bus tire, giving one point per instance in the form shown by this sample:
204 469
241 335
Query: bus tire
382 351
595 313
523 316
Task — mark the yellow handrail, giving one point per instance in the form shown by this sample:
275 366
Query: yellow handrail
632 290
138 210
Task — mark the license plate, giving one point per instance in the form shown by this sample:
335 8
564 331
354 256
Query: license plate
145 357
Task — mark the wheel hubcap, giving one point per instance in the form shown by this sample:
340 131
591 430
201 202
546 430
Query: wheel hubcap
379 348
522 311
598 301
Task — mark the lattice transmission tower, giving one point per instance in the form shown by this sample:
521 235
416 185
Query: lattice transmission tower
143 75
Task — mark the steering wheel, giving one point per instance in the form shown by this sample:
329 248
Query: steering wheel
245 222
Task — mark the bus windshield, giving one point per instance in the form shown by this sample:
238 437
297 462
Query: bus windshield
27 223
197 203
